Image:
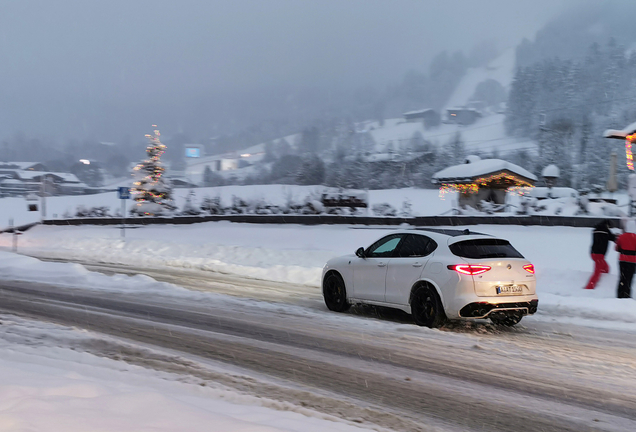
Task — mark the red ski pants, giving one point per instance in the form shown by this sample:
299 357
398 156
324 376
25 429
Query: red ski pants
600 266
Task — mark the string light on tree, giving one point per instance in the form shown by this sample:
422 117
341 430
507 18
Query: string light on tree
151 191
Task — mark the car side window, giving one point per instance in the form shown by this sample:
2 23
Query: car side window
415 245
385 247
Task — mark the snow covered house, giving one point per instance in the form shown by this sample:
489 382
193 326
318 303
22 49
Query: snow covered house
22 178
428 116
479 180
8 167
462 116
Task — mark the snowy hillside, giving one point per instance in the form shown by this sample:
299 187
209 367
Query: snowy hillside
485 135
500 69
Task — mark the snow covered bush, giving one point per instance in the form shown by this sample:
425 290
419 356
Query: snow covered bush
239 206
489 207
83 212
407 208
384 209
212 205
190 208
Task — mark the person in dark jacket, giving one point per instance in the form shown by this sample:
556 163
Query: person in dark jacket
626 246
601 237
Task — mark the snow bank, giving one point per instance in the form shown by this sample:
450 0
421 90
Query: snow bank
296 254
45 388
23 268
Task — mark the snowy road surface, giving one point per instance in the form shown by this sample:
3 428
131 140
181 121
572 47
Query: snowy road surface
542 376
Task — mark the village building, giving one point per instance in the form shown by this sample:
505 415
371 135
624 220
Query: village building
428 116
487 180
462 116
23 178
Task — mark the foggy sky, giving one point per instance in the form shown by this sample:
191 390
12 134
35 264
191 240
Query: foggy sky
66 63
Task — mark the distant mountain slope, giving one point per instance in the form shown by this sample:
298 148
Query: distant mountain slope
485 135
500 69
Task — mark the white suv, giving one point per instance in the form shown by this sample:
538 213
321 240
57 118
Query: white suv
435 274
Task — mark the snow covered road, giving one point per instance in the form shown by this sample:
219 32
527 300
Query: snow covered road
543 377
224 295
294 255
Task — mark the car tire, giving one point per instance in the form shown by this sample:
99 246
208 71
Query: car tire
335 293
507 320
426 307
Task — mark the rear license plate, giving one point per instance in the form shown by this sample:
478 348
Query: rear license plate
509 289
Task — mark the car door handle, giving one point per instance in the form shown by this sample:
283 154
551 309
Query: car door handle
417 264
381 264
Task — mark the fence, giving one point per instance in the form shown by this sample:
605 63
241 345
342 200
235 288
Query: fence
571 221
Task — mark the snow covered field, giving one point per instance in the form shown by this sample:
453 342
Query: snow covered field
296 254
423 202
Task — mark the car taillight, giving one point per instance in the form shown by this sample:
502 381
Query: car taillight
469 269
529 268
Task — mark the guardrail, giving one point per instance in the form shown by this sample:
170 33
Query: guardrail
571 221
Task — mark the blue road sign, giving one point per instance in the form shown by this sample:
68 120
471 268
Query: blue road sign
124 193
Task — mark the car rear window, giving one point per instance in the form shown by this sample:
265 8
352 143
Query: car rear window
485 248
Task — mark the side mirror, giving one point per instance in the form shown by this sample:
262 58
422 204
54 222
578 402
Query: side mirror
360 252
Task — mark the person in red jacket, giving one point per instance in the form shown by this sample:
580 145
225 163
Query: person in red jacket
626 246
601 236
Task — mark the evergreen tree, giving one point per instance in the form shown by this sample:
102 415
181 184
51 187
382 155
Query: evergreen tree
269 156
286 169
456 149
212 179
282 148
312 171
151 190
310 140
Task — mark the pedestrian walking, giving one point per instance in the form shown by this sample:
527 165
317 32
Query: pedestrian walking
626 246
601 236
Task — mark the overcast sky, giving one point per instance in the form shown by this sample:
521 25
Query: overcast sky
63 58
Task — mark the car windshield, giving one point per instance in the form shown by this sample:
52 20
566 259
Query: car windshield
485 248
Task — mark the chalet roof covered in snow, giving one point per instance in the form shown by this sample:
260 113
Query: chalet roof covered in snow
36 175
31 166
416 112
467 172
621 133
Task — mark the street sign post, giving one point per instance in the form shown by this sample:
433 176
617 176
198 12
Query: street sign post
124 194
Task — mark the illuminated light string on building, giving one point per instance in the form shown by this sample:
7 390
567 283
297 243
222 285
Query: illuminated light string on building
517 185
629 139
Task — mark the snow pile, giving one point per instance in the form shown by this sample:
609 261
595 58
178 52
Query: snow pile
46 388
19 267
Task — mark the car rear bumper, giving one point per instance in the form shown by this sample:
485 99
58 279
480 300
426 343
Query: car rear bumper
483 309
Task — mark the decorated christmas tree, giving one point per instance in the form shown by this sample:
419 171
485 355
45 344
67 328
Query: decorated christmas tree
151 191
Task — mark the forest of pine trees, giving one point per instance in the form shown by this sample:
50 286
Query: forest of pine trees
565 105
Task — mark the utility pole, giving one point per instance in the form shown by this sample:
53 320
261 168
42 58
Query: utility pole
43 196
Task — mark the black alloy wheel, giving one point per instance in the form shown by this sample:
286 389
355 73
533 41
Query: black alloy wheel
335 294
426 308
